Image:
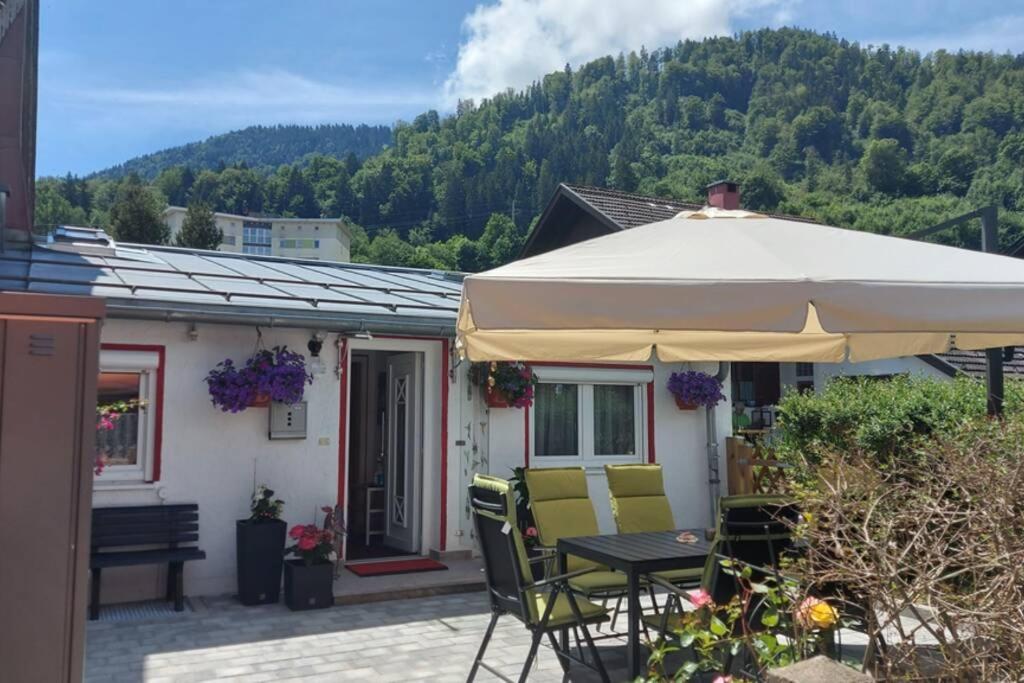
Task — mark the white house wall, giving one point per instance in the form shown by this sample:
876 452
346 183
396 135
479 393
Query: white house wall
215 458
680 447
912 365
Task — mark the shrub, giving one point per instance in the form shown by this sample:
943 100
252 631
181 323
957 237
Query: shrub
879 418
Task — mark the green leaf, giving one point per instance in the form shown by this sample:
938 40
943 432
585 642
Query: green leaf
718 626
686 639
770 617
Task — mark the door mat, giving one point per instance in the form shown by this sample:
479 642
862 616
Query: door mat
395 567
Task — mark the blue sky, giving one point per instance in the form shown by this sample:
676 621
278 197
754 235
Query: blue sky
120 78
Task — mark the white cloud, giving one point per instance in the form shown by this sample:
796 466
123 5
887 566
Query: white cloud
235 99
515 42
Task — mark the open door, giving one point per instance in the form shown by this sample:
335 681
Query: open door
404 441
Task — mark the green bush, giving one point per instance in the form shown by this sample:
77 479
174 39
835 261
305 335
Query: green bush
884 418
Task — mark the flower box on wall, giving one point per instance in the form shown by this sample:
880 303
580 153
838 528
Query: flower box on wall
495 398
261 400
685 405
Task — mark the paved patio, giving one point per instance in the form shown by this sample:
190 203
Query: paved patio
432 638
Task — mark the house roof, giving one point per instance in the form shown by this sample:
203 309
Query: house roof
142 281
972 363
628 210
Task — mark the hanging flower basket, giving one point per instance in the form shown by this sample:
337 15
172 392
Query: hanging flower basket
268 375
685 405
495 398
693 389
506 384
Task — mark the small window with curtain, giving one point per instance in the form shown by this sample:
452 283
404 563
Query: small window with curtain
126 401
589 417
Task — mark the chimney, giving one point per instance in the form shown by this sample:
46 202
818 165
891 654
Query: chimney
724 194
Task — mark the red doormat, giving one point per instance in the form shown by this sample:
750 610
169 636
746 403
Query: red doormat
395 567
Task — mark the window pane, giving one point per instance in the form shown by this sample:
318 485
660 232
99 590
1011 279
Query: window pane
614 420
117 437
557 415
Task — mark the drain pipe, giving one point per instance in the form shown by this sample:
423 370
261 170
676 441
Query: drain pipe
711 429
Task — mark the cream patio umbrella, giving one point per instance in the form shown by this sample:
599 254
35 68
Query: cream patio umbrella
739 286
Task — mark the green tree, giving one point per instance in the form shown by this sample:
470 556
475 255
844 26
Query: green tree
884 166
53 209
135 214
199 229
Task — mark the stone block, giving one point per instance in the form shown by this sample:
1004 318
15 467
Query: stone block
818 669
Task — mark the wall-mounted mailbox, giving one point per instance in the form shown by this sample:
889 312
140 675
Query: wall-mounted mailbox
288 421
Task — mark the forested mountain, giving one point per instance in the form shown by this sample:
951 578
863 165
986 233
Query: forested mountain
876 139
258 147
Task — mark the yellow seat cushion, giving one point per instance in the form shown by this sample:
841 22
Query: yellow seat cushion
599 582
682 575
561 613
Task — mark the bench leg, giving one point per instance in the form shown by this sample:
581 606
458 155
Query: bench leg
94 594
176 585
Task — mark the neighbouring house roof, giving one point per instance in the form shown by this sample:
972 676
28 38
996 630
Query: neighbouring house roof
972 363
166 283
628 210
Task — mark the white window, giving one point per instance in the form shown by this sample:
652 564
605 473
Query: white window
588 416
127 386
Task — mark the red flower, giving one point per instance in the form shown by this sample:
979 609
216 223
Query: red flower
530 532
307 543
297 531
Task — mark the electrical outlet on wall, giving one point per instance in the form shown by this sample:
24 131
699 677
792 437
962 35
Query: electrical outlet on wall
324 441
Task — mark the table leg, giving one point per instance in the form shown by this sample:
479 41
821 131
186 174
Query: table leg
563 633
633 649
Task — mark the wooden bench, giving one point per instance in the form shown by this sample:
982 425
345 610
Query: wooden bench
134 526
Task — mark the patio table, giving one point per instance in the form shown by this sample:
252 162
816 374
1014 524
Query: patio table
636 555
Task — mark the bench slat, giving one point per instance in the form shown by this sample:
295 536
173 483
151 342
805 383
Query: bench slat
152 538
141 557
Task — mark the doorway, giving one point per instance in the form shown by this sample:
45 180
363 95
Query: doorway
385 455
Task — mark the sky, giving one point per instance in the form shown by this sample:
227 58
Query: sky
120 78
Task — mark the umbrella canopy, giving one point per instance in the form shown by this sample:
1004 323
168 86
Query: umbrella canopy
738 286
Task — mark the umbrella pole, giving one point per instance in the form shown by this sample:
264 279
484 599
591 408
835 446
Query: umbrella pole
993 357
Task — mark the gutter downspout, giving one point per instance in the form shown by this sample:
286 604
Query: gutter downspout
711 429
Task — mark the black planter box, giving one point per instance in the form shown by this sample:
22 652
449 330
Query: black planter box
309 587
259 547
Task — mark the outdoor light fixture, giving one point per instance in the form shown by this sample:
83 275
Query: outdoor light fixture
316 364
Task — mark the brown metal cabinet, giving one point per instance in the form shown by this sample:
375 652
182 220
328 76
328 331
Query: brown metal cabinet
49 349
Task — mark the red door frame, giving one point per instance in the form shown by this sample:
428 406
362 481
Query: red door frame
343 426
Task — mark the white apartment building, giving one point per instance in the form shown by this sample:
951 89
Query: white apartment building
324 239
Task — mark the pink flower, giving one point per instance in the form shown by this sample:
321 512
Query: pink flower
297 531
700 598
307 543
722 679
531 532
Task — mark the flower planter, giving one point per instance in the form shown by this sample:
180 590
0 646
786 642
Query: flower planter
495 398
308 587
259 548
685 405
261 400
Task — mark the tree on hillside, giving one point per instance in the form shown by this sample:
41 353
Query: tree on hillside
135 214
884 166
53 209
199 229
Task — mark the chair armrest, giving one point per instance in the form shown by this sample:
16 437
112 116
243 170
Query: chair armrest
546 554
559 579
672 588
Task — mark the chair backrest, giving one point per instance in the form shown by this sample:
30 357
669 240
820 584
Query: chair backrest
129 525
637 494
755 529
506 566
561 507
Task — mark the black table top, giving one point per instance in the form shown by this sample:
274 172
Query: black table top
642 552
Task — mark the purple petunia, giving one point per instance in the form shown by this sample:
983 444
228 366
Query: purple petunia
279 374
696 388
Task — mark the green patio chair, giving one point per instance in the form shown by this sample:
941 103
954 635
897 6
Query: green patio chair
543 606
751 530
639 504
561 508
